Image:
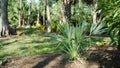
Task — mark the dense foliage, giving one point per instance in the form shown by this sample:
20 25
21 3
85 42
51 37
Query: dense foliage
110 13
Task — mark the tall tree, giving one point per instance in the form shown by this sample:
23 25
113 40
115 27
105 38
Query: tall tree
5 28
66 10
29 14
44 13
48 17
38 14
95 11
20 13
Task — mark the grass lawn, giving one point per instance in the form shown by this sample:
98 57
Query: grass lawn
32 43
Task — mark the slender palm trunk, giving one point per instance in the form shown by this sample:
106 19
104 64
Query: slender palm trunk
29 13
66 10
44 13
44 17
20 8
48 17
64 20
95 11
38 15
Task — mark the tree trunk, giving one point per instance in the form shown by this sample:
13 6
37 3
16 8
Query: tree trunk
64 20
95 11
38 15
44 13
29 13
44 17
66 10
48 17
4 25
20 8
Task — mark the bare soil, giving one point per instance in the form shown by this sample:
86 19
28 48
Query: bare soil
104 57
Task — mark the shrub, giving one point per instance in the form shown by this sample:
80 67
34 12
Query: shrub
42 28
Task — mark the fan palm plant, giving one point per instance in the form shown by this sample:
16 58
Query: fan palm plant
73 40
98 29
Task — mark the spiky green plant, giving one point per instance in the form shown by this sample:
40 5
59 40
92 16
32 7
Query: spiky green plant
73 40
98 29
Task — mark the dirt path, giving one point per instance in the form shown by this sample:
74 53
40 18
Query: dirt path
41 61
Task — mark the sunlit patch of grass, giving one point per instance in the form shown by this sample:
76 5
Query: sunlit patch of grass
32 44
28 46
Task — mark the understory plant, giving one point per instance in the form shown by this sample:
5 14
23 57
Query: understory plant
112 19
73 40
115 35
97 29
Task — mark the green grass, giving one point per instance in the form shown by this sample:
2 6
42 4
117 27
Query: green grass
34 43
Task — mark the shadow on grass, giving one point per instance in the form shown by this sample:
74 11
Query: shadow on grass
28 31
41 41
6 43
47 48
106 59
33 32
44 46
23 48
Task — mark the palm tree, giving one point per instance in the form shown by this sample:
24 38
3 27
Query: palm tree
20 7
95 11
66 10
38 14
48 17
29 14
